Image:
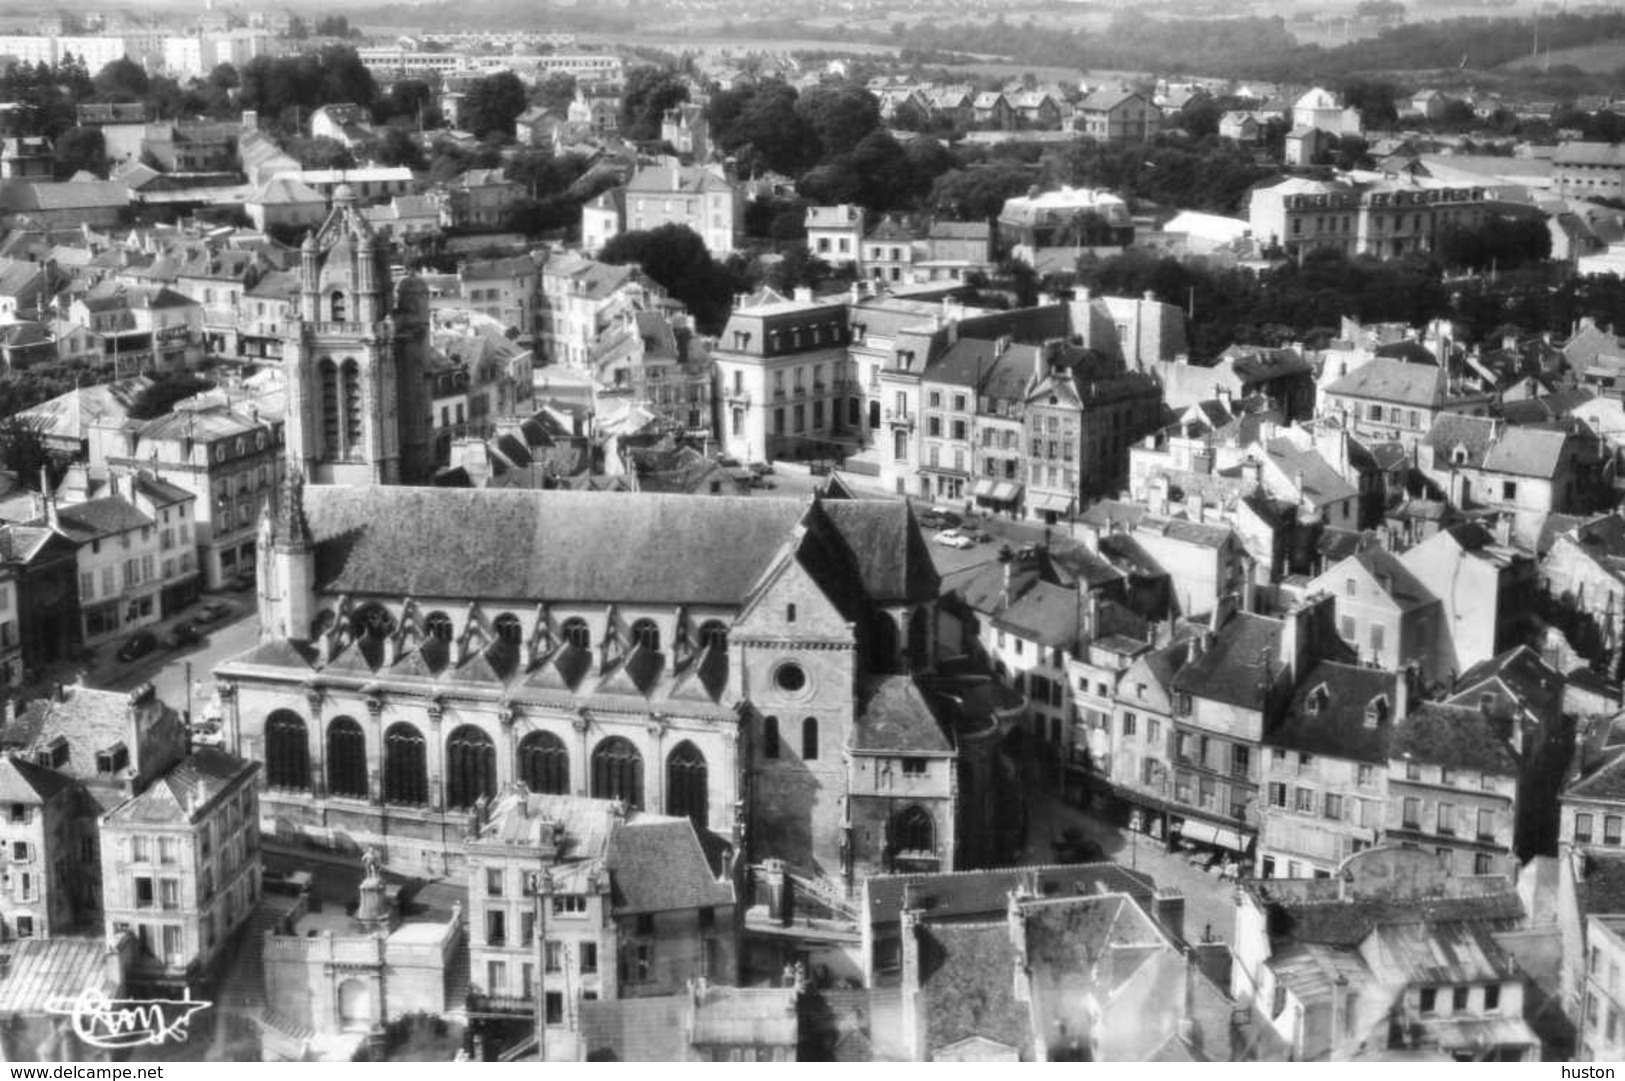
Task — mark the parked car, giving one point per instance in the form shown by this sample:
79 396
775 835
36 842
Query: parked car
952 538
761 469
980 536
183 634
727 461
212 611
243 582
947 517
138 645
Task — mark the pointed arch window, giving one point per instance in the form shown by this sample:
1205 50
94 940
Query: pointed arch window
914 832
352 406
438 625
337 307
646 633
346 759
509 629
576 632
713 635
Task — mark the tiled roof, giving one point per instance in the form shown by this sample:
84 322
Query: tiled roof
1524 672
1345 922
1238 664
96 518
1602 889
1338 728
1437 952
42 971
21 781
185 789
984 894
896 717
759 1017
657 866
1606 782
635 1029
1459 737
1321 483
968 978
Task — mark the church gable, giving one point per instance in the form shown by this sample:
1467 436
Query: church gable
790 605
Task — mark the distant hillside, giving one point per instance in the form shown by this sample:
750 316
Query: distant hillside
1603 58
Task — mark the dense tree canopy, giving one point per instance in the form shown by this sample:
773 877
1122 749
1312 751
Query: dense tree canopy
493 103
676 257
649 92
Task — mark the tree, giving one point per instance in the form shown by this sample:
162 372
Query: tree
397 147
80 148
22 448
979 193
555 93
493 103
122 80
321 152
676 257
760 125
409 100
649 92
839 116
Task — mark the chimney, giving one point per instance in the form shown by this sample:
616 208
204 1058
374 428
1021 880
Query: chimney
777 882
1168 907
804 294
1402 694
49 497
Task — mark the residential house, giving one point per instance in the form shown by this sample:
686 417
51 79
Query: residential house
1205 560
11 642
48 836
1324 111
596 109
479 200
228 460
702 1023
1146 334
504 290
615 903
785 379
688 131
992 110
24 290
1601 1020
1085 409
1384 612
181 868
1117 116
1053 227
835 233
285 202
1388 216
1325 767
1429 104
701 198
1452 788
1487 591
888 251
406 219
44 567
217 280
1390 399
1037 110
1284 377
1241 126
1588 170
580 300
1327 965
26 157
118 551
345 123
367 184
192 146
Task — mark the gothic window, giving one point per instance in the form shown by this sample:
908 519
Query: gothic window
330 407
352 405
617 772
346 758
371 624
438 625
686 791
576 633
287 751
809 739
471 766
338 308
770 737
406 766
646 634
508 629
544 764
919 639
713 635
913 831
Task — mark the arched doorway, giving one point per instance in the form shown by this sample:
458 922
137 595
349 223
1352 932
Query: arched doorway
617 772
914 840
471 766
355 1006
687 791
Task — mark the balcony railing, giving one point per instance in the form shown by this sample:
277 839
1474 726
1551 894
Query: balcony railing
892 416
800 391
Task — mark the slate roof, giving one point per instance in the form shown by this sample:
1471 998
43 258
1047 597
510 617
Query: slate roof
1339 728
656 866
968 895
1524 673
1602 889
1605 783
634 1029
89 720
1527 452
1237 665
1438 952
894 716
1048 614
1333 921
104 517
202 775
1321 482
1389 380
22 781
1459 737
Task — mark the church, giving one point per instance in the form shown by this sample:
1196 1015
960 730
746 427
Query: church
765 667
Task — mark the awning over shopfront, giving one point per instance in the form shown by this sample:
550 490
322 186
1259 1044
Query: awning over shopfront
982 489
1006 491
1208 834
1047 501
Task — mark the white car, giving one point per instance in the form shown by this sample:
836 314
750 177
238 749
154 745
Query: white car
952 538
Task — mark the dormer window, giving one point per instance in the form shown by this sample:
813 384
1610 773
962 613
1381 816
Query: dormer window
113 760
1458 455
1376 711
1316 702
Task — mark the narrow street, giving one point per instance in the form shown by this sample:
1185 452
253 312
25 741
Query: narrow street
1209 902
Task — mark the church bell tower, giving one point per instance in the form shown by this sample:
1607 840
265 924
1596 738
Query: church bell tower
355 354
